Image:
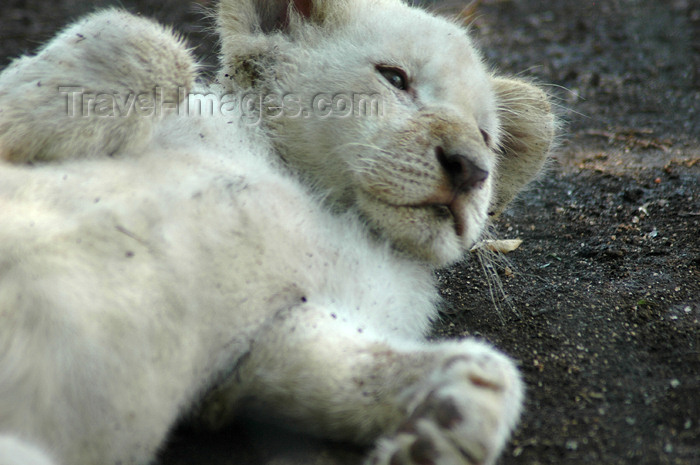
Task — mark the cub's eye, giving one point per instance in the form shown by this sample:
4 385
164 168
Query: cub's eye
395 76
486 137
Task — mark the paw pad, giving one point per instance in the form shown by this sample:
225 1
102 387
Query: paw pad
461 415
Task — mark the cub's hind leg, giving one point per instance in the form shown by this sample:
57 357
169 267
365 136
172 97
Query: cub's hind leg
445 403
97 89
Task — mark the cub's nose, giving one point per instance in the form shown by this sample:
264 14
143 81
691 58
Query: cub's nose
463 173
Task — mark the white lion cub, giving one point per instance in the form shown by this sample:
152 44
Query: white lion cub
161 258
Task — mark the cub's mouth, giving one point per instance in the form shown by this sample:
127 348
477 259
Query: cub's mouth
453 212
437 215
434 213
447 208
438 231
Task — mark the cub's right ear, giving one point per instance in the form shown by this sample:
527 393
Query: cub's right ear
267 16
253 32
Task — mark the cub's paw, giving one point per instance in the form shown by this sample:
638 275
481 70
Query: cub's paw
462 414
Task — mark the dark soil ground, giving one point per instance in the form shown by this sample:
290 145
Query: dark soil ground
601 302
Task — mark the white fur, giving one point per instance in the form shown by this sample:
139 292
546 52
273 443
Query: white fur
199 264
16 452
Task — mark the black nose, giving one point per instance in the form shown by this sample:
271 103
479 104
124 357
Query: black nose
463 173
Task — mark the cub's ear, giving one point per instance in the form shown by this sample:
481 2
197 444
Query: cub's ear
253 32
528 127
267 16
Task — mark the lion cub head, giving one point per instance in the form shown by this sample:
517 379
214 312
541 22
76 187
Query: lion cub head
389 111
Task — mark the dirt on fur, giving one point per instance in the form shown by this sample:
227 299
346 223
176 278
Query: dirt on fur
601 302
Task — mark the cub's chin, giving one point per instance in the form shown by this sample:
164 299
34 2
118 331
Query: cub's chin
434 234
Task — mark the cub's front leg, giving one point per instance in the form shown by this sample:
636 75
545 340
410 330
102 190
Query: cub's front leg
445 403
